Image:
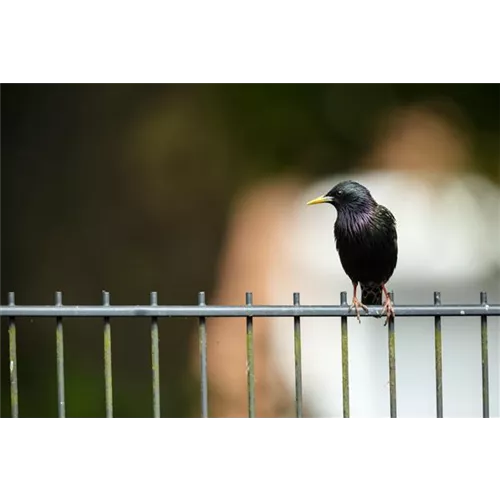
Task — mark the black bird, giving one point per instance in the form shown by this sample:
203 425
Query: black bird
366 239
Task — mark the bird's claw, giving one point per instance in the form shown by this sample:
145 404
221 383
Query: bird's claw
356 304
388 310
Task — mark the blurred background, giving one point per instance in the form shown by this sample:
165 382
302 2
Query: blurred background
129 189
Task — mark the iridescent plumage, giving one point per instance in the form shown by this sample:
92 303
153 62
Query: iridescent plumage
366 240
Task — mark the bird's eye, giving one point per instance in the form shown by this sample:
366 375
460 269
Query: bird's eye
339 192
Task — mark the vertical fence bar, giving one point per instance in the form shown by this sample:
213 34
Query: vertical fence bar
108 377
202 340
60 361
14 394
392 363
298 358
438 353
155 358
345 359
484 358
250 360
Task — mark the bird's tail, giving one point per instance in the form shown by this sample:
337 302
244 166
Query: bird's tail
371 295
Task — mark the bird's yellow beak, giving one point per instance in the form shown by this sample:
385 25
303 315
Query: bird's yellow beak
320 199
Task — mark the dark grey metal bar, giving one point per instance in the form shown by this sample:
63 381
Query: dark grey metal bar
243 311
250 360
484 358
392 364
14 393
155 358
298 359
438 351
60 361
202 339
202 311
345 359
108 376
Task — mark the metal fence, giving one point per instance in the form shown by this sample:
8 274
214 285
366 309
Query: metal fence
249 311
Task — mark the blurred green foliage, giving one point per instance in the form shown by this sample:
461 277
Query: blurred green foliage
127 188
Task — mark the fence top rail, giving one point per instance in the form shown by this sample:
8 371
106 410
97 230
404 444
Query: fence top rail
242 311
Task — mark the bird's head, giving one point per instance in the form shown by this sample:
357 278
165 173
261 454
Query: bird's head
349 195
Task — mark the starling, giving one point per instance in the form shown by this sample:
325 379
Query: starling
366 239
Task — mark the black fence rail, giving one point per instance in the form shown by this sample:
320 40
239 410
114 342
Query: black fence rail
249 311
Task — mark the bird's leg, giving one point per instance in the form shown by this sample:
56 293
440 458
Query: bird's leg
388 306
356 303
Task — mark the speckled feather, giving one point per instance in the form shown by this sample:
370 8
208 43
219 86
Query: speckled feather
366 239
